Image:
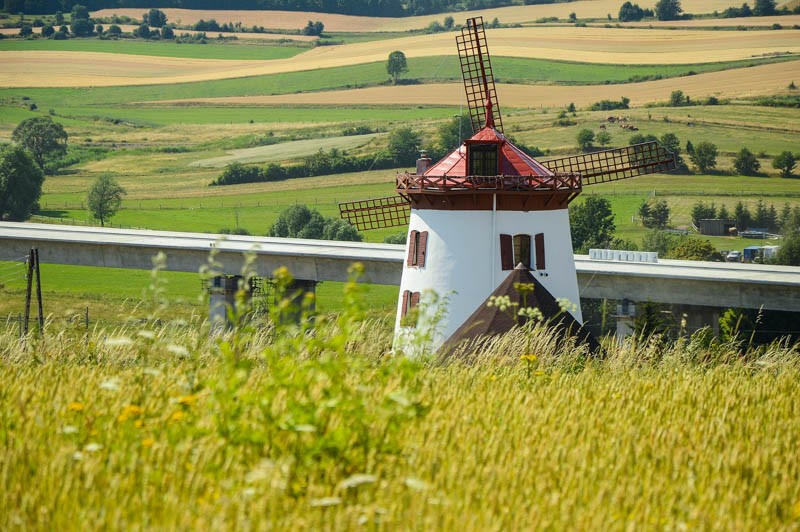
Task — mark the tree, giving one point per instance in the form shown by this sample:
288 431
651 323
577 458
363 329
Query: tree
654 216
298 221
81 27
723 213
653 319
742 216
585 139
79 12
155 18
668 9
592 224
143 31
26 30
672 144
114 30
789 252
701 211
42 137
603 137
20 184
396 65
746 163
452 132
314 28
677 98
785 162
167 33
704 157
105 198
659 241
695 249
404 145
764 8
629 12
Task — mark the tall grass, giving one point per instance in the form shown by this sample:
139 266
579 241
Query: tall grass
287 426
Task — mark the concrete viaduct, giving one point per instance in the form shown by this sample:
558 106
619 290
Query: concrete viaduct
673 282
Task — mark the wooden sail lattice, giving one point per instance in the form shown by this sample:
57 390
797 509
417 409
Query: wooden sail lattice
476 71
613 165
376 213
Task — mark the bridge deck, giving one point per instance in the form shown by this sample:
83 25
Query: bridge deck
668 281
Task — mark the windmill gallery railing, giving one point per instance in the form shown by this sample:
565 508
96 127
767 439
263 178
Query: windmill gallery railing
421 184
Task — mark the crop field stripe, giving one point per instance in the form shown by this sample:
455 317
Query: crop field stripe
592 45
156 49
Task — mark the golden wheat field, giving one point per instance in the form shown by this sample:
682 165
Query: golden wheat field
592 45
753 81
348 23
162 427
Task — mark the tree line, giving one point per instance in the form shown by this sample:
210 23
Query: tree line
383 8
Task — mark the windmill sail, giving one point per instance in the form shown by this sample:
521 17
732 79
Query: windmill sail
476 70
376 213
613 165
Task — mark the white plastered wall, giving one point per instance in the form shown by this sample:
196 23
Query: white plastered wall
462 265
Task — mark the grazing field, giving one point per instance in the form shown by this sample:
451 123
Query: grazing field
591 45
156 425
285 151
737 83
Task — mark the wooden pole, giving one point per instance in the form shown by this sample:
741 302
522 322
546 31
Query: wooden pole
28 290
39 290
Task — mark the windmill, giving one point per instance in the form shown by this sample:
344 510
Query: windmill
487 207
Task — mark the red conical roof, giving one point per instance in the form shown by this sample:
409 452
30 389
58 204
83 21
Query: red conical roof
513 161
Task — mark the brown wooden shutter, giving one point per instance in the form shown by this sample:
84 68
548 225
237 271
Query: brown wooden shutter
414 299
412 248
404 306
539 241
506 252
422 249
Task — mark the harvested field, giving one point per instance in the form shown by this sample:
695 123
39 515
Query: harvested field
285 151
592 45
347 23
760 80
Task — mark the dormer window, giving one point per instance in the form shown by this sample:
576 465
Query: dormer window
483 159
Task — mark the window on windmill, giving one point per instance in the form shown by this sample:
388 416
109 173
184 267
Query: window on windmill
522 250
409 310
483 159
417 249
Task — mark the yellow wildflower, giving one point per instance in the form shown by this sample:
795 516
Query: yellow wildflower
75 407
177 416
187 400
138 423
130 411
530 358
538 373
148 442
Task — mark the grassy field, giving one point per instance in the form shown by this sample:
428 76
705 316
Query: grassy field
156 49
160 426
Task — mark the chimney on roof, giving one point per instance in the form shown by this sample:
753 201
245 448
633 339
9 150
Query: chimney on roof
423 163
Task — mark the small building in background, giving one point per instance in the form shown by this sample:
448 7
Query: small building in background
716 227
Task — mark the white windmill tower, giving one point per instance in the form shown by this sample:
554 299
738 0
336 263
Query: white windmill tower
486 207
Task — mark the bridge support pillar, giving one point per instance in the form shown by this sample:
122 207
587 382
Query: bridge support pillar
222 299
692 318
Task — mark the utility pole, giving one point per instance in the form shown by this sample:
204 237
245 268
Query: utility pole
33 267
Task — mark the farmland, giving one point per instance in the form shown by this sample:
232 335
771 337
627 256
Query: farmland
140 418
162 117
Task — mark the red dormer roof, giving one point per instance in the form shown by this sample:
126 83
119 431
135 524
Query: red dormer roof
513 161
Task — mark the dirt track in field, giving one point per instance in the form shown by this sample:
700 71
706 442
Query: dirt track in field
593 45
754 81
